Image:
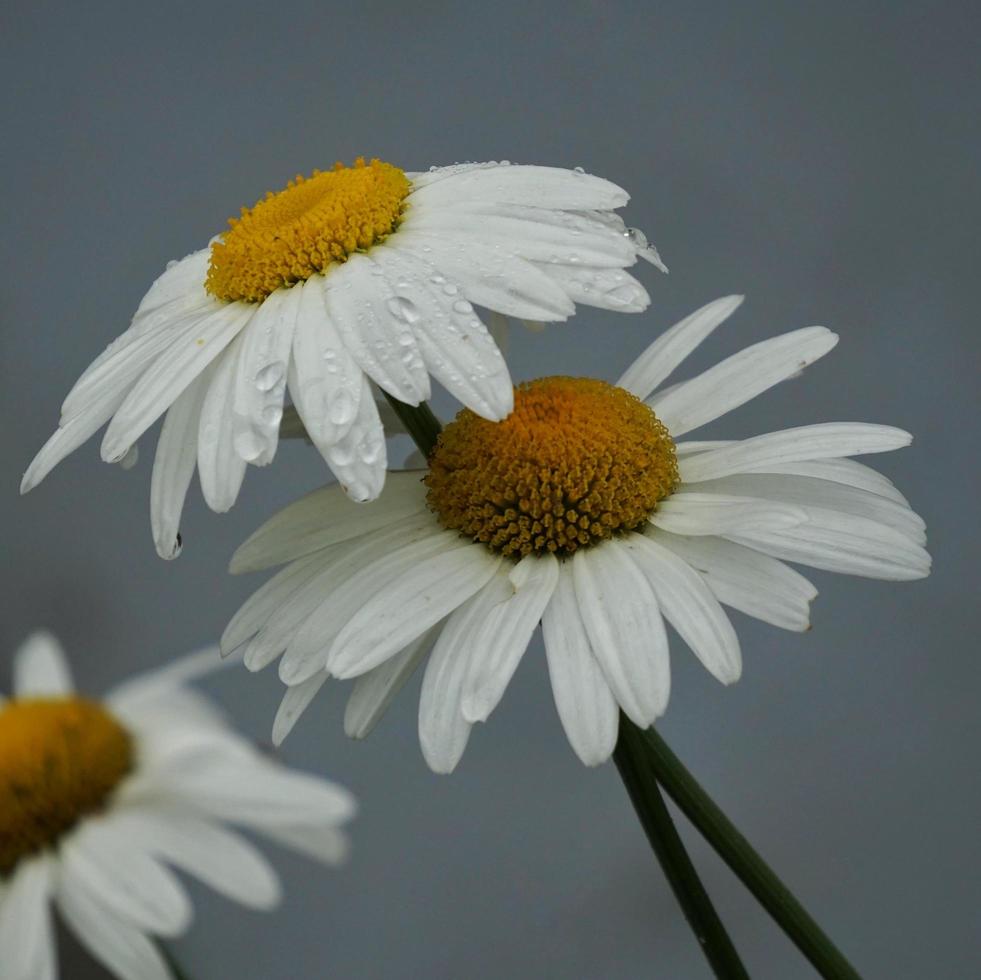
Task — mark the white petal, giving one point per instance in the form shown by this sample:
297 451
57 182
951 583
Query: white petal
753 583
361 303
739 378
394 617
827 440
173 466
455 345
214 855
807 492
267 600
607 289
625 630
375 690
587 710
262 794
689 606
360 574
496 279
325 381
27 941
324 517
221 470
128 881
40 668
843 543
533 233
172 678
260 382
543 187
443 731
125 950
296 700
715 513
187 354
359 457
847 472
325 844
500 640
181 278
674 345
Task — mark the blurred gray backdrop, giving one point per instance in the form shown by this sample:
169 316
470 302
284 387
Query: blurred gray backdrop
821 158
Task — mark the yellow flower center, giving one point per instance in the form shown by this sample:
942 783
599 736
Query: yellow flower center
298 232
60 758
576 462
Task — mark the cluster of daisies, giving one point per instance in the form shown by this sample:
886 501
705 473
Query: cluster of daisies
571 503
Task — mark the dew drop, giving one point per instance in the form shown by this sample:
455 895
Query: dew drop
268 377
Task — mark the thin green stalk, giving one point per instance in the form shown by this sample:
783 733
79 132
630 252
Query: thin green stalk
638 777
419 422
744 861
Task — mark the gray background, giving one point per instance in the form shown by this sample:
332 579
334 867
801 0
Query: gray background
821 158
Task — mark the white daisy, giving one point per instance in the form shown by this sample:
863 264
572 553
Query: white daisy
98 799
356 273
580 511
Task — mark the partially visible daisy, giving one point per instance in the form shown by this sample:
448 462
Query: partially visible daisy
581 511
99 799
355 273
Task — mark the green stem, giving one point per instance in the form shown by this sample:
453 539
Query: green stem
744 861
638 777
419 422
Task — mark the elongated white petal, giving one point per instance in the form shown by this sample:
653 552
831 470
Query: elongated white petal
322 843
374 691
607 289
359 457
370 570
717 513
324 517
127 880
496 279
545 187
295 701
173 466
220 858
324 379
587 709
674 345
739 378
443 731
803 491
455 345
500 640
122 947
689 606
181 278
40 668
361 303
827 440
220 468
260 382
625 630
753 583
843 543
26 938
392 618
188 353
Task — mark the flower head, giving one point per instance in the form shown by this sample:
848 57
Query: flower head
357 273
585 511
99 799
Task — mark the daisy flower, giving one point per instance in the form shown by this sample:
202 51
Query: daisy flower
357 273
98 799
584 511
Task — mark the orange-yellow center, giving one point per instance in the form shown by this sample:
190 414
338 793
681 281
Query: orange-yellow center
60 759
314 222
577 461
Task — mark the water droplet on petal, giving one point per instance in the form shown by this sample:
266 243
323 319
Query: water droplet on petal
268 377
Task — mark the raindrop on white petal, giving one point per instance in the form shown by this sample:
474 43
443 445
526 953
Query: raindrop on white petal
268 377
248 444
342 408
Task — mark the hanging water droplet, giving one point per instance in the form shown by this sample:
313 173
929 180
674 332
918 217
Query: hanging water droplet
247 444
268 377
462 306
131 458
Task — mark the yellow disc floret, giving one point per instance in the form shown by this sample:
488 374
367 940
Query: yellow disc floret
298 232
576 462
60 759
